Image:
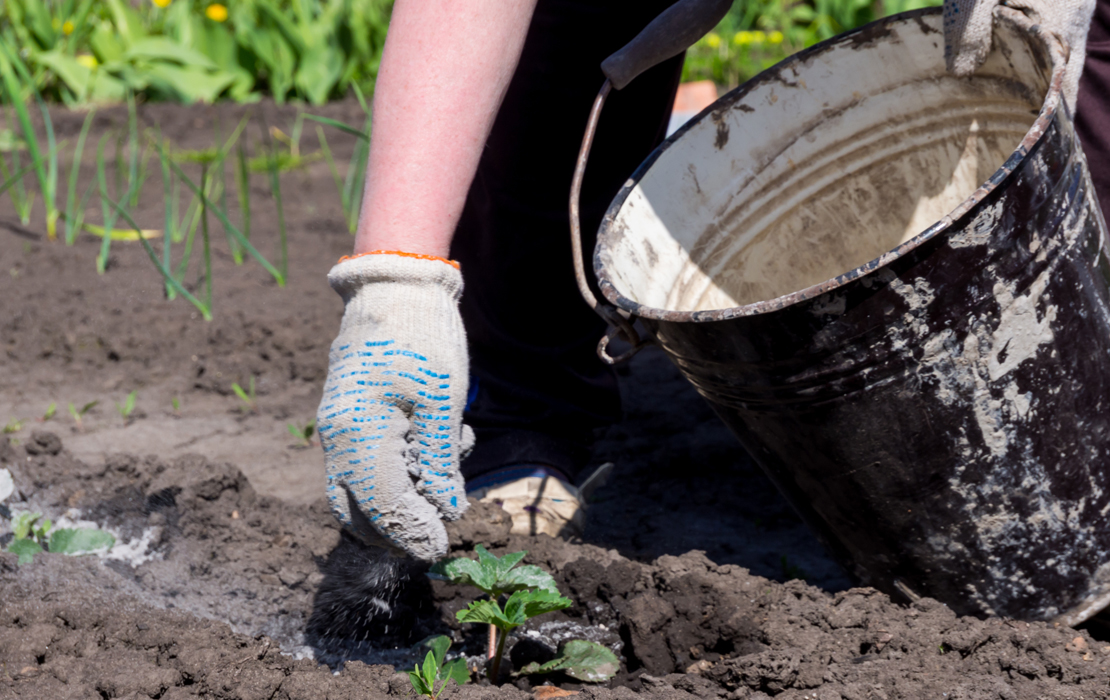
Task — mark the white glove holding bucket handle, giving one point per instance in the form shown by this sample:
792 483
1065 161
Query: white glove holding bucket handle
967 33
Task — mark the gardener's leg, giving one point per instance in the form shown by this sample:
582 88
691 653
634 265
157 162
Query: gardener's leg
541 390
1092 120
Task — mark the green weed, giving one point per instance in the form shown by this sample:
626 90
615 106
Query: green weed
79 413
529 591
246 396
127 408
303 433
436 670
35 534
13 426
51 410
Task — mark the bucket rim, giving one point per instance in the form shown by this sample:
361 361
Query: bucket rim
868 33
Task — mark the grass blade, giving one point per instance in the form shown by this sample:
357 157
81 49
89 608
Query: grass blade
243 187
108 214
14 95
205 312
335 176
275 189
204 236
339 125
222 216
72 228
169 232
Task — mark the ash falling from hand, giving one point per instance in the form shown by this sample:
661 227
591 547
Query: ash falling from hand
370 601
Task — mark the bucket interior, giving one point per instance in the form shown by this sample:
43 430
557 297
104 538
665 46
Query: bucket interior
820 166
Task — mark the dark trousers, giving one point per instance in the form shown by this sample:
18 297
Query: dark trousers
1092 118
541 392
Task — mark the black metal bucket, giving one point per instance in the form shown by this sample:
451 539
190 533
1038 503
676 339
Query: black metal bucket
938 413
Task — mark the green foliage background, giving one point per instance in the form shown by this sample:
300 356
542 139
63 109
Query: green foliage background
197 50
96 51
757 34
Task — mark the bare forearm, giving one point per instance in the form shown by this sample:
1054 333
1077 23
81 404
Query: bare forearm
444 72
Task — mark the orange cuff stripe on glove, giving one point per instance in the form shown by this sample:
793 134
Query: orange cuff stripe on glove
418 256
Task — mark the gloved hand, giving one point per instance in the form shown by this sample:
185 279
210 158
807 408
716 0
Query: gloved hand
390 420
967 33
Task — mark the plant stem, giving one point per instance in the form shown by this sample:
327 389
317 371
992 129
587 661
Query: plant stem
492 645
495 671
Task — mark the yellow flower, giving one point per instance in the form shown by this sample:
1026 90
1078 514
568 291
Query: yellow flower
87 60
742 38
162 3
758 37
67 28
775 37
713 40
216 12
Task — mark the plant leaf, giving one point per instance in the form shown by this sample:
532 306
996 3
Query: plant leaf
439 646
485 611
528 576
455 669
25 549
159 48
418 682
465 572
524 605
581 660
79 541
22 522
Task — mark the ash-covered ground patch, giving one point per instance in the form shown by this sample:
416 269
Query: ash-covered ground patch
240 596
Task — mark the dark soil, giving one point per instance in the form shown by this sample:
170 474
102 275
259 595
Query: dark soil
238 584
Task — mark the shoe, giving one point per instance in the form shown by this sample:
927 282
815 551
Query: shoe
538 499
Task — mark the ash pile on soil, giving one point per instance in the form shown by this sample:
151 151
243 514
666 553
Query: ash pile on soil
220 581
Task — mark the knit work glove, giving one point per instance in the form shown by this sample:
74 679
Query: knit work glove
967 33
390 420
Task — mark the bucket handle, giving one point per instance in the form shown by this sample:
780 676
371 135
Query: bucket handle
668 35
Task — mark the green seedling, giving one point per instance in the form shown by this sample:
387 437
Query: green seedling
222 216
13 426
275 190
51 410
530 592
16 81
79 413
436 670
350 188
243 188
35 534
176 403
22 201
74 214
303 433
250 402
126 408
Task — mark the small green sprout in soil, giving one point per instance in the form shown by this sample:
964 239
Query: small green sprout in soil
13 426
246 396
531 592
35 534
176 403
303 433
128 406
437 670
51 411
79 413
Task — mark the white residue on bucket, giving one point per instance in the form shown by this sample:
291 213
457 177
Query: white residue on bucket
981 228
